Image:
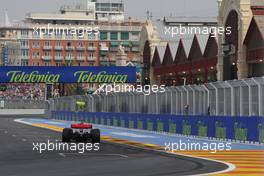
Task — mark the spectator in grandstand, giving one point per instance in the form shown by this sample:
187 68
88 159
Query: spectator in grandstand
23 91
56 93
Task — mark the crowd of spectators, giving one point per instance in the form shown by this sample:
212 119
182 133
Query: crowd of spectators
22 91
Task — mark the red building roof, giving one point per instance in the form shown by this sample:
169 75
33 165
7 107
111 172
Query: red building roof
168 59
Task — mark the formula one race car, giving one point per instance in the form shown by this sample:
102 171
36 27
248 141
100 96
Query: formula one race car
81 132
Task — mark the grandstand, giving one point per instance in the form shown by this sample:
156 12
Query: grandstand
22 92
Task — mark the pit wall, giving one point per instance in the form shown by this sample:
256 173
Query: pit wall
234 128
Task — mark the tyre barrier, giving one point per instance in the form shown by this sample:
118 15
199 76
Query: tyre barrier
238 128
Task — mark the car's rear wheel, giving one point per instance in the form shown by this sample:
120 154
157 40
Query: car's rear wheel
67 135
95 135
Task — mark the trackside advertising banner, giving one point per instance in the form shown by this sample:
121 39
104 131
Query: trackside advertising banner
67 74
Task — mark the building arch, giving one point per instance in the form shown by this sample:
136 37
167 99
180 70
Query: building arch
241 9
254 44
228 7
232 40
146 63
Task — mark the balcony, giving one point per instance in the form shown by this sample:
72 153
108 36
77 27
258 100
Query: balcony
24 47
104 59
46 58
91 58
35 57
47 47
58 58
35 46
104 48
24 36
58 48
80 48
91 48
24 57
80 58
69 58
70 48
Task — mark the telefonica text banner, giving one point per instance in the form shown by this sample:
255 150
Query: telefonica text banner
67 74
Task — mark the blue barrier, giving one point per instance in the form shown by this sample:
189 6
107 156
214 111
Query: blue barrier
227 127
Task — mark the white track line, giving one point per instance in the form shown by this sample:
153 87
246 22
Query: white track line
230 168
22 121
91 154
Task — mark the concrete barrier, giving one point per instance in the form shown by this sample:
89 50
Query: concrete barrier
22 111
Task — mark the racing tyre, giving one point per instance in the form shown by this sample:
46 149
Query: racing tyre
95 135
67 135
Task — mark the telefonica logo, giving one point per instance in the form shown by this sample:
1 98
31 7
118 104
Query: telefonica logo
33 77
101 77
78 76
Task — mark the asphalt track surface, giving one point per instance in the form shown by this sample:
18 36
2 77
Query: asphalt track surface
17 157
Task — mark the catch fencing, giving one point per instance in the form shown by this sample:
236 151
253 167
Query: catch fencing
229 98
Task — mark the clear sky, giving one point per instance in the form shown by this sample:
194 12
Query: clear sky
134 8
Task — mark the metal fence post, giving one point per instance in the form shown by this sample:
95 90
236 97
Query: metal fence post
193 99
133 102
241 101
179 104
93 110
260 96
157 105
208 95
232 99
216 94
250 97
171 101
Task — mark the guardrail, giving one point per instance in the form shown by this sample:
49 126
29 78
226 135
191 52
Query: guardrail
243 129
